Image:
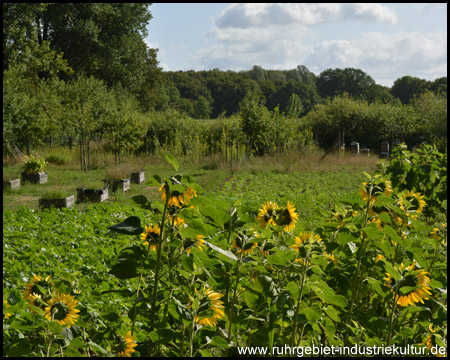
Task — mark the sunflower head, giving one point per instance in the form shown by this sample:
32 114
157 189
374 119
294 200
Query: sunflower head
241 244
198 242
413 285
177 194
125 345
287 217
151 236
307 241
62 309
38 287
210 308
412 202
266 214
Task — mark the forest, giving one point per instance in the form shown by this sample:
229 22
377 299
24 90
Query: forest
72 75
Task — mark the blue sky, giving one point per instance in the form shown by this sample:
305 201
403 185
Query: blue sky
385 40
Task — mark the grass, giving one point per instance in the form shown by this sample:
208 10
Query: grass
212 173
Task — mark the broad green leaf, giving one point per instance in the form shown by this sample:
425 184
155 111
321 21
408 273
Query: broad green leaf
172 161
219 217
219 341
125 269
227 253
276 260
72 352
130 226
154 180
292 287
312 313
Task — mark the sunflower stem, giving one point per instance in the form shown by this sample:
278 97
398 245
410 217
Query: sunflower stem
230 317
158 261
391 317
301 286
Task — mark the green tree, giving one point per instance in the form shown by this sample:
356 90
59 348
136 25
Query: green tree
255 122
24 47
439 86
104 40
408 87
294 106
333 82
202 108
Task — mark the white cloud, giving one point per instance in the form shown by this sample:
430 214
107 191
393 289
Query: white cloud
263 15
386 55
281 36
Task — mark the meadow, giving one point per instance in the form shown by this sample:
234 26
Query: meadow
207 257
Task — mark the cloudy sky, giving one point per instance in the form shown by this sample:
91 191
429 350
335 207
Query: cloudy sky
387 41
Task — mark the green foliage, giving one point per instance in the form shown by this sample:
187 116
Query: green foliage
370 124
334 82
423 171
34 164
408 87
268 131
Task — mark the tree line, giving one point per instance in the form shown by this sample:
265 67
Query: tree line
74 72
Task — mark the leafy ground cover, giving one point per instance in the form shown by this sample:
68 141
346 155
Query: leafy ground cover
273 258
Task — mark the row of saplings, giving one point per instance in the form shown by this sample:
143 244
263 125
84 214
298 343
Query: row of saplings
34 172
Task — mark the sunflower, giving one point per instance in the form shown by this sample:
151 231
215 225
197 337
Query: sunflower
210 301
305 237
267 215
35 287
176 221
416 282
366 193
287 217
266 248
7 314
199 243
244 248
177 198
415 199
62 309
331 257
151 236
385 187
126 346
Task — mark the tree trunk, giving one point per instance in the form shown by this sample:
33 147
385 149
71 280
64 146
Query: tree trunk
89 155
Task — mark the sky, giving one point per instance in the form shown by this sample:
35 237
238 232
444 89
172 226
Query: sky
385 40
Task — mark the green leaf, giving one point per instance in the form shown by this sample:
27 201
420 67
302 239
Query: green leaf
227 253
125 269
373 233
405 290
96 348
219 217
292 287
219 341
154 180
312 313
172 161
393 235
130 226
332 313
250 298
72 352
276 260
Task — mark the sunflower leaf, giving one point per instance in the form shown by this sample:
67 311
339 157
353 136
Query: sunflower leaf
227 253
172 161
130 226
